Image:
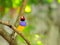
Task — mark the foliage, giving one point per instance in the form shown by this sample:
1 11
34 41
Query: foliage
6 3
17 3
33 2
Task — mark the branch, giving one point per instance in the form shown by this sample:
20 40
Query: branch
7 37
14 29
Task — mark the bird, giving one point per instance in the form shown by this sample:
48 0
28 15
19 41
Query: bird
21 27
22 24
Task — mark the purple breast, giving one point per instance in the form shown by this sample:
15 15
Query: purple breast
22 23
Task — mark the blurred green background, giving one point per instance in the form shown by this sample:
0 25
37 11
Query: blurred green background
42 18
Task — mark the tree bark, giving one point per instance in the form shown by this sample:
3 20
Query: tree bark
7 37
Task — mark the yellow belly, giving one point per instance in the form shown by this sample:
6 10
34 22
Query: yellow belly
20 28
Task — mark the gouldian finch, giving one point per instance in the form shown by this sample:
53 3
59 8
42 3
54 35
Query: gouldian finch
22 25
